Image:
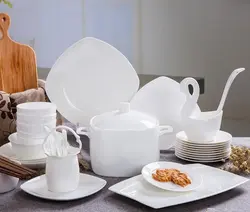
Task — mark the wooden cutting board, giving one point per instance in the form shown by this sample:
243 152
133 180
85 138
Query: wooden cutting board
17 62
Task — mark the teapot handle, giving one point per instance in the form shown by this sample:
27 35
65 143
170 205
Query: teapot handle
78 140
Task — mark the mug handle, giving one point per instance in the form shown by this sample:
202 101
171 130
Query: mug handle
165 129
82 131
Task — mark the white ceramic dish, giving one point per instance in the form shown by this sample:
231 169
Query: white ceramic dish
7 183
201 160
162 99
135 132
100 78
6 150
36 108
88 185
24 151
34 130
220 139
194 176
138 189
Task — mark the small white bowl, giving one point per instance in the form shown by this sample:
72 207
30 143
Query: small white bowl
34 131
36 108
35 119
7 183
25 151
204 128
27 139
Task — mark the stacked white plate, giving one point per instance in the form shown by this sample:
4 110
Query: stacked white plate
200 152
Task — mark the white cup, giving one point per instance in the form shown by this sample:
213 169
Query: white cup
62 173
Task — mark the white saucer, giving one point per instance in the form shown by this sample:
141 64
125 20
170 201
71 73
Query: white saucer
88 185
194 176
220 139
6 151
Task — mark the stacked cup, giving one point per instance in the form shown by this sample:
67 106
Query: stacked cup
32 117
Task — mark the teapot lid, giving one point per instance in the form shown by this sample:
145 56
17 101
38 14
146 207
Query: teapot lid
124 119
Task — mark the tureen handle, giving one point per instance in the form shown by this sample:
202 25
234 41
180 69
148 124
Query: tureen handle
165 129
82 131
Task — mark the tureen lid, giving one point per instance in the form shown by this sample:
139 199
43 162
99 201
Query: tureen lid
124 119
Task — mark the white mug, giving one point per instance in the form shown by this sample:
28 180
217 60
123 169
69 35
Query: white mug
62 173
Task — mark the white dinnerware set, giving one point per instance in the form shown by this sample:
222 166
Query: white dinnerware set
95 87
26 145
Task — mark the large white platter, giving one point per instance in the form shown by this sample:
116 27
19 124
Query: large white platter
215 181
89 78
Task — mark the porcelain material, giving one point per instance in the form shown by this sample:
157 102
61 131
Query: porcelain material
138 189
194 176
162 99
102 75
6 150
230 80
62 172
123 141
201 127
28 119
7 183
88 185
28 131
26 152
36 108
218 150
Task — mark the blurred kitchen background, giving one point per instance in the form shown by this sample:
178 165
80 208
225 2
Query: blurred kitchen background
198 38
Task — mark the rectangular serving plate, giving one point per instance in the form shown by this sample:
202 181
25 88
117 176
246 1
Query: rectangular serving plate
215 181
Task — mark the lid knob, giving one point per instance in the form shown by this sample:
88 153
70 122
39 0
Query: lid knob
124 107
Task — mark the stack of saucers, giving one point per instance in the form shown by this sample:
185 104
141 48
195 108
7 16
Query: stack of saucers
32 118
203 152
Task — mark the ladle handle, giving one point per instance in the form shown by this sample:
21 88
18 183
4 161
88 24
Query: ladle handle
230 80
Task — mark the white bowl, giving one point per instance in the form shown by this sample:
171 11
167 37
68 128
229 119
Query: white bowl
34 131
35 119
36 108
204 128
7 183
25 151
27 139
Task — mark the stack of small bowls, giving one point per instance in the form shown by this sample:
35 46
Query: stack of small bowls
32 117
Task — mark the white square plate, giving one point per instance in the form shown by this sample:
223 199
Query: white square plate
215 181
88 185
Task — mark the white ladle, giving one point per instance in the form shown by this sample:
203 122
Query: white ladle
228 86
